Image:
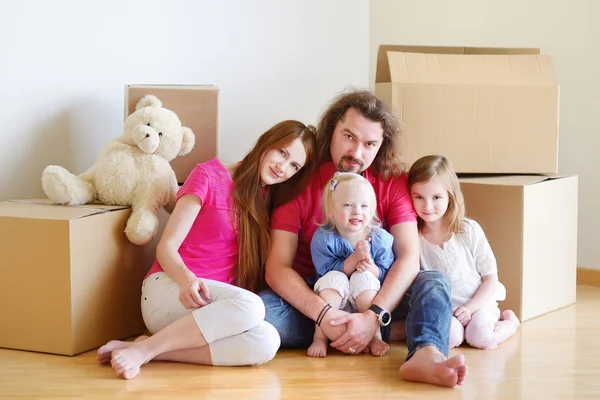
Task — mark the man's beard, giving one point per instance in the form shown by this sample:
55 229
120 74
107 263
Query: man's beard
360 165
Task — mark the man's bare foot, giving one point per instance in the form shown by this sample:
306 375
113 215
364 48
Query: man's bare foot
104 352
318 348
378 346
127 362
428 365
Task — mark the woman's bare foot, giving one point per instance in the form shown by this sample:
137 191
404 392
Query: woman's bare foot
127 362
104 352
378 346
318 348
428 365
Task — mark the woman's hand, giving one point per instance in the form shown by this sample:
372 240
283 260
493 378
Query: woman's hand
194 293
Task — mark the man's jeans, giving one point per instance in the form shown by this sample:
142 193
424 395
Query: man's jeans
426 306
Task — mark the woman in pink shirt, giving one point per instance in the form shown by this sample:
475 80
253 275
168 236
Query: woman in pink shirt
197 298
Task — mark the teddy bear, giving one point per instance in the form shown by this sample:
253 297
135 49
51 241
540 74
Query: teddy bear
133 170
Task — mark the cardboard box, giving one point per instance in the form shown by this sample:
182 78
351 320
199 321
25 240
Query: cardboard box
488 110
531 224
70 279
197 106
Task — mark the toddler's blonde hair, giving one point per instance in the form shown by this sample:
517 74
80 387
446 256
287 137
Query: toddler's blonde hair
347 178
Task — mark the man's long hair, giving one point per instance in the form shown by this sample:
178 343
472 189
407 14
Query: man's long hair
387 162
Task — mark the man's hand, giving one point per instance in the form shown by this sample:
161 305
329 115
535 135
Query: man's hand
462 314
333 332
361 329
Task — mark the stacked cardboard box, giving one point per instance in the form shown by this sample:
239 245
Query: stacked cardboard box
494 113
197 108
71 281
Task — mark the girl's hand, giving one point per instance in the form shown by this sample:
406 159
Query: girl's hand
462 314
194 293
363 249
368 265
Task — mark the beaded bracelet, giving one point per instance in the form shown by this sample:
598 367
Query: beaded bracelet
322 314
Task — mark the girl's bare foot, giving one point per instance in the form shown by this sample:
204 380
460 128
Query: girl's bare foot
428 365
104 352
509 315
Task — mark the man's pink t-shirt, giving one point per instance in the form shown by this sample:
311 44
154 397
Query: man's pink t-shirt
394 206
210 249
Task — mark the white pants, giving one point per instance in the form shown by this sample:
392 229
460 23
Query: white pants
349 289
232 323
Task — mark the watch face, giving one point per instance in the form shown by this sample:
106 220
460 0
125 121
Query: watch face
386 318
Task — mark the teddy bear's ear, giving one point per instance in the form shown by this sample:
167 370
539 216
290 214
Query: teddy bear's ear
148 101
188 141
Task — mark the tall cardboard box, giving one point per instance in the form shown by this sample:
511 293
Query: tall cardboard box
70 279
197 106
531 224
489 110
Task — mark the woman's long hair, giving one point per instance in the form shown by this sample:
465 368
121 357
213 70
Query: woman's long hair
253 206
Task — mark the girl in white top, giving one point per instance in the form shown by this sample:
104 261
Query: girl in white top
457 247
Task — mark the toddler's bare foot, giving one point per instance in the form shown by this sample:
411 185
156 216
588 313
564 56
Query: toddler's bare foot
127 362
428 365
318 348
378 346
104 352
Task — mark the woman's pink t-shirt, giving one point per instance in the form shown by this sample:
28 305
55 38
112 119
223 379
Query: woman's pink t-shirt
210 250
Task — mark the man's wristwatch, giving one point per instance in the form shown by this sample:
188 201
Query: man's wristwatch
383 316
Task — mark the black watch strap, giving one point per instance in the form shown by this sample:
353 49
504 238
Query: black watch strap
384 316
376 309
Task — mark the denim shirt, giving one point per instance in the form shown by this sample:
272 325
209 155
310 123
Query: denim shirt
329 251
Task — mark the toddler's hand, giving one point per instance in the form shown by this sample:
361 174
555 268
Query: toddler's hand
462 314
363 249
368 265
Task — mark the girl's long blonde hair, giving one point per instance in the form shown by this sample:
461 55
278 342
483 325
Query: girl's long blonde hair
429 167
253 207
347 178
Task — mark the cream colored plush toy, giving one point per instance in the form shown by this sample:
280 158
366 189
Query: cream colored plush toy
133 169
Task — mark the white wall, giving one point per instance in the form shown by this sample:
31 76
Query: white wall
64 64
567 30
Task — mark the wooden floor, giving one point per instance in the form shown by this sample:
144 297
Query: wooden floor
556 356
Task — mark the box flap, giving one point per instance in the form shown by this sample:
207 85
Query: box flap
383 67
506 180
45 209
474 69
